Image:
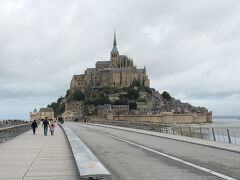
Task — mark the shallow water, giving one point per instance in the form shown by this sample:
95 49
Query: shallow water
224 123
221 127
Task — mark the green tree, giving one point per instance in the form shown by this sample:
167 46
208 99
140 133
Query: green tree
145 89
132 93
78 95
59 100
132 105
101 100
123 101
136 83
87 102
166 95
58 107
53 105
68 92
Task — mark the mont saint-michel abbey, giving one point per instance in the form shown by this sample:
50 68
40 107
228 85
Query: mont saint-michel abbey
117 90
118 72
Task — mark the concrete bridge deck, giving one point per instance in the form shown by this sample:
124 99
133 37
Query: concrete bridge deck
132 154
126 153
37 157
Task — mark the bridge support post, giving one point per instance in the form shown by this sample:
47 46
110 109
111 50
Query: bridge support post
201 132
173 129
190 133
229 137
181 130
214 138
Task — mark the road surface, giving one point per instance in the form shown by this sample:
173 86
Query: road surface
129 155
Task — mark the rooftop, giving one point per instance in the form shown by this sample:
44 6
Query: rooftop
115 69
102 62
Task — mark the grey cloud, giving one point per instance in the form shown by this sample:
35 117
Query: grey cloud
190 48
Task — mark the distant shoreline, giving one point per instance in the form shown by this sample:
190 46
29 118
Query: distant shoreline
226 117
214 117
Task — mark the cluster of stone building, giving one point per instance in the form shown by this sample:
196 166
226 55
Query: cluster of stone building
42 114
155 109
106 109
153 104
119 72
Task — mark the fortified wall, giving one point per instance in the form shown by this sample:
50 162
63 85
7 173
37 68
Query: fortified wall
166 117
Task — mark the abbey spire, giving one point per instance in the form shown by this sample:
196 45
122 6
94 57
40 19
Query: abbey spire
114 40
114 49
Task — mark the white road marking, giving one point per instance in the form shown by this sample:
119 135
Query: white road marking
173 158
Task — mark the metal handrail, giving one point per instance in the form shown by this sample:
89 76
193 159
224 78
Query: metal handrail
211 133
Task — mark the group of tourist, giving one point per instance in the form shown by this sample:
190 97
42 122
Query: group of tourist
45 123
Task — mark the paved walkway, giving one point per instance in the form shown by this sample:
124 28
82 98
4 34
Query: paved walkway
37 157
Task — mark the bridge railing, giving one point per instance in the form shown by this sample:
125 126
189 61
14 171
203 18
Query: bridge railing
231 135
7 133
228 135
9 123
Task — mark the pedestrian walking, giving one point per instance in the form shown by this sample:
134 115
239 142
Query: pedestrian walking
45 126
34 126
51 127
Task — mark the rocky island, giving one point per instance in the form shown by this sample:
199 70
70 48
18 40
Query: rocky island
118 90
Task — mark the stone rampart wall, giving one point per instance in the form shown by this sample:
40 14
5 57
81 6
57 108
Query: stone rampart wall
167 118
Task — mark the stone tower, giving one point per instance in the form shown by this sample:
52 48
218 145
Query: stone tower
114 53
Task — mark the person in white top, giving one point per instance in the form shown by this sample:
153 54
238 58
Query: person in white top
51 127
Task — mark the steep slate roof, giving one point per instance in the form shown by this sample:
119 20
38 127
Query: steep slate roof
122 56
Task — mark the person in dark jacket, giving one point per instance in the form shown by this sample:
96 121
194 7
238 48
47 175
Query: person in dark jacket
34 126
45 124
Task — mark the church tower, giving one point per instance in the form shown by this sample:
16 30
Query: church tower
114 53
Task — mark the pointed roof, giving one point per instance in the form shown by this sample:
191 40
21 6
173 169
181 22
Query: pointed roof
114 49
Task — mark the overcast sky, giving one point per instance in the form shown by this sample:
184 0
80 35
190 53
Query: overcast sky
190 48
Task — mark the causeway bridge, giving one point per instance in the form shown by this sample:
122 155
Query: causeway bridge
94 151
